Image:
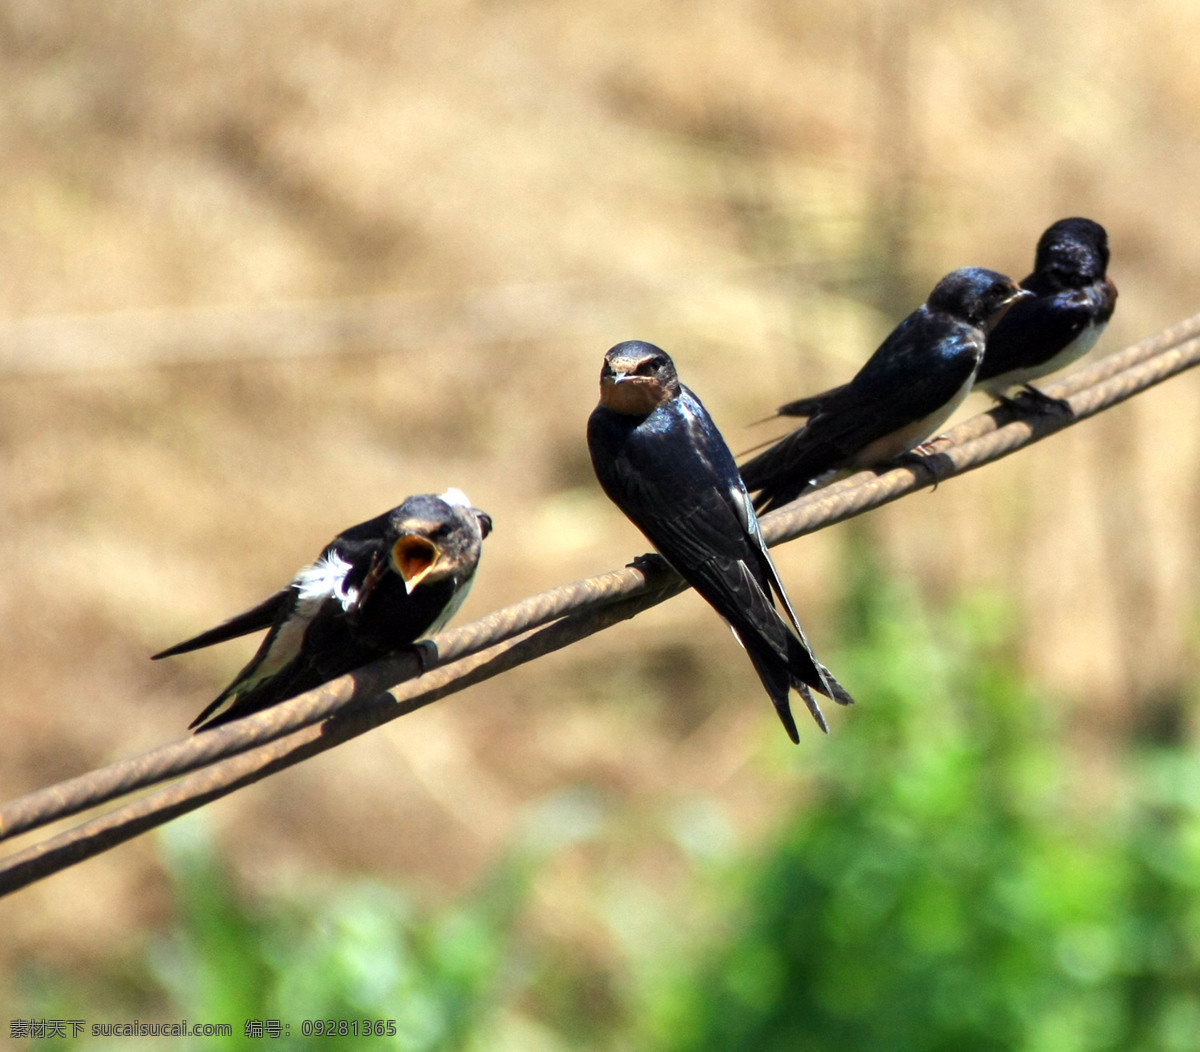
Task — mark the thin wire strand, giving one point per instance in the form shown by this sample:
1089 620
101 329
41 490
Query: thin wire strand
247 750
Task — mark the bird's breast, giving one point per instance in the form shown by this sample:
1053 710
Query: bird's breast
905 438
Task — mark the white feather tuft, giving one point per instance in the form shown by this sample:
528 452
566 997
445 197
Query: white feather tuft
326 578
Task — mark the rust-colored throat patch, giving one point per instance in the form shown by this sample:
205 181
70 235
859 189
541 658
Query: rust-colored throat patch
634 395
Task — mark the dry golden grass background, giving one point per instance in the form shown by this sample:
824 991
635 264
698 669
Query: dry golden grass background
267 269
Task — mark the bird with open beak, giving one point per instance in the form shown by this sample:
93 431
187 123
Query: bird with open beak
376 588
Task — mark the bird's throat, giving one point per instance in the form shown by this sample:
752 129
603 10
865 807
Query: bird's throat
637 396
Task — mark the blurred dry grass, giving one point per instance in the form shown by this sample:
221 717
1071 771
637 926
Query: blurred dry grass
267 270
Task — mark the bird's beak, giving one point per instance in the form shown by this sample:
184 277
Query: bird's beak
413 557
1018 294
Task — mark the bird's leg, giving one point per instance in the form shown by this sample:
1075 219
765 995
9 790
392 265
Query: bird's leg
929 447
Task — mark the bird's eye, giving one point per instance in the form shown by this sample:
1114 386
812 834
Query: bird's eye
649 367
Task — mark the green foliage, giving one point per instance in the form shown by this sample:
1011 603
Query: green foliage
357 951
950 884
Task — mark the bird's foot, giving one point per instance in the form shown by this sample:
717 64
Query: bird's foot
426 653
650 564
1031 398
928 455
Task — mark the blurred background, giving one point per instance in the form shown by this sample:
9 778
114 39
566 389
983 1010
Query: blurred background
268 269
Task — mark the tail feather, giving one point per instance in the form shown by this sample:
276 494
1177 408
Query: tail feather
787 469
805 407
807 671
779 676
783 659
803 690
776 679
832 688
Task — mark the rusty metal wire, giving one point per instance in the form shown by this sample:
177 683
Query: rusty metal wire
220 761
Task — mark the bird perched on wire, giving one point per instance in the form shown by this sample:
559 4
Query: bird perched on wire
907 389
376 588
661 460
1073 300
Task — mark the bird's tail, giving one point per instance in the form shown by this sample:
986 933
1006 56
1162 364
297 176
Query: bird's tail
777 679
784 471
831 688
808 674
800 671
805 407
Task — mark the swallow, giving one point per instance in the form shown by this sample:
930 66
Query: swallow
375 589
660 458
906 390
1073 300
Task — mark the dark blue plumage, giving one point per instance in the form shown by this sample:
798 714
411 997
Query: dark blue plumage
906 390
661 460
376 588
1073 300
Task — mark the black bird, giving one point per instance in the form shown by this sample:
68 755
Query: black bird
375 589
1073 299
907 389
662 461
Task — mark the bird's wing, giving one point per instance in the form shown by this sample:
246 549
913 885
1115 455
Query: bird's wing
253 620
716 546
325 590
341 565
812 405
686 497
285 663
909 378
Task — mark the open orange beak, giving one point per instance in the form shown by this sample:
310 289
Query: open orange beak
413 558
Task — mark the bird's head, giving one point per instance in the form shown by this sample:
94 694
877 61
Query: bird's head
434 537
637 378
1073 253
976 295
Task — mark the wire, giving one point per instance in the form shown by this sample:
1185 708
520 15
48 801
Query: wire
220 761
